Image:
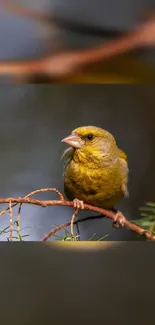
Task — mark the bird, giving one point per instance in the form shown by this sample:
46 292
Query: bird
95 169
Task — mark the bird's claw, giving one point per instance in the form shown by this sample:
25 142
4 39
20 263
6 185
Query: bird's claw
77 204
119 220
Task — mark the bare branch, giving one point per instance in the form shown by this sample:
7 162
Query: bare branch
53 231
11 222
18 9
62 64
75 213
62 202
50 18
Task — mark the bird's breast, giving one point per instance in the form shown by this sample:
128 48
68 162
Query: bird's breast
93 186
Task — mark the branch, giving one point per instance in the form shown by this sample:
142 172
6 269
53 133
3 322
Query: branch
50 18
44 203
62 64
65 63
22 11
53 231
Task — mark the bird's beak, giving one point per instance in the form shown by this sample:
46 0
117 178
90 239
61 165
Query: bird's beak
74 141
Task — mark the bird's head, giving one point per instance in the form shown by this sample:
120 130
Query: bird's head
92 145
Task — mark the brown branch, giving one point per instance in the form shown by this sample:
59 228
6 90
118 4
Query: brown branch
50 18
75 213
35 192
18 9
20 206
63 64
53 231
11 222
107 213
148 14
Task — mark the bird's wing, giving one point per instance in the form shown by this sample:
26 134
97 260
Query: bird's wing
125 170
122 155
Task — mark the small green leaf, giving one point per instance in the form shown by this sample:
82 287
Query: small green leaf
3 231
25 236
148 216
149 209
92 236
150 204
105 236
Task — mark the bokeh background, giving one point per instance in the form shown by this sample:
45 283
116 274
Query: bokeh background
34 119
22 38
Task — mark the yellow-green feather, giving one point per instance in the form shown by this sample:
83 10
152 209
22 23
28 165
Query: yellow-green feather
123 155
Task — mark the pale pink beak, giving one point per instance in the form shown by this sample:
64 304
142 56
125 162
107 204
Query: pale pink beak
74 141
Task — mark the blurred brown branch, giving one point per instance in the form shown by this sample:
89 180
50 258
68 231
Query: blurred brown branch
51 19
18 9
60 65
116 217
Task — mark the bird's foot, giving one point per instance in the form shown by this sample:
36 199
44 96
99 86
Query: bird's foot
77 204
119 220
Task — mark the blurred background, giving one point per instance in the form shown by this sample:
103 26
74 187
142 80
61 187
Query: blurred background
34 119
95 272
24 38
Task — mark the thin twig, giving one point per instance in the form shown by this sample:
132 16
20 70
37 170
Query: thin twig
18 222
11 222
48 189
72 222
53 231
30 194
35 192
5 210
20 206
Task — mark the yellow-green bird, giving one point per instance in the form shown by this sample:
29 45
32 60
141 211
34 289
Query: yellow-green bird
96 170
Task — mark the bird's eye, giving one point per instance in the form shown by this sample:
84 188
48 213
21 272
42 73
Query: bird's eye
89 136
